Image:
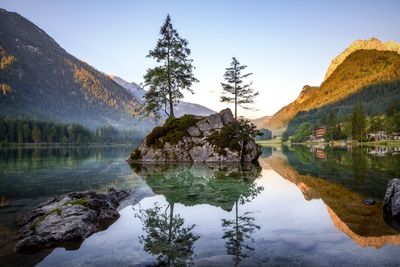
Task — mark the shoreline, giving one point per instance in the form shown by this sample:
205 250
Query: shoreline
58 145
278 142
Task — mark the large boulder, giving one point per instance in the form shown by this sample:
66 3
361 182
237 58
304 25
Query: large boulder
67 220
186 139
391 202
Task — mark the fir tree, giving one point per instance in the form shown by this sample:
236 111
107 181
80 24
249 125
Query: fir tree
174 74
235 90
358 123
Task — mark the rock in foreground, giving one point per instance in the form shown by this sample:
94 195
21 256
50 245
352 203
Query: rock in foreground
391 202
196 139
68 219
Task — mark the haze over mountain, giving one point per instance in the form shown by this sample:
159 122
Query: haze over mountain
371 65
181 108
40 80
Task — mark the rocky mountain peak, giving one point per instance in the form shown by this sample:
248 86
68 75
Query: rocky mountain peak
368 44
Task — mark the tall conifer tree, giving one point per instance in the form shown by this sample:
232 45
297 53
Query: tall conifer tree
358 123
174 73
235 90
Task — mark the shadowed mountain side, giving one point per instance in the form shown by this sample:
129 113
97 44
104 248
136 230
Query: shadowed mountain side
363 223
194 184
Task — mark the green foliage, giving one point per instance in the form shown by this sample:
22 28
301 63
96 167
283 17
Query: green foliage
32 131
333 128
358 123
393 108
239 93
237 233
135 155
234 136
194 184
303 132
174 74
172 131
166 236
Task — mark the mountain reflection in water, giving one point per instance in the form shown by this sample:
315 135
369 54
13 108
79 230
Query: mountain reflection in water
302 207
365 224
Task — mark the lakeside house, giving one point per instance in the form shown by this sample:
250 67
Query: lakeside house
382 136
319 134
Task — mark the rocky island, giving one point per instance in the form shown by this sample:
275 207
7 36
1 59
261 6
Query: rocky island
216 138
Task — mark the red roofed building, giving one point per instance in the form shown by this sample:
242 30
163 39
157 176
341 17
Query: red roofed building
320 132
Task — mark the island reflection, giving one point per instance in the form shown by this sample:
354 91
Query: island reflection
226 186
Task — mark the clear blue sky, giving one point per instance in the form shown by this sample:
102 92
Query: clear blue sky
286 44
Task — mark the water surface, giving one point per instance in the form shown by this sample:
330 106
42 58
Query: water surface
300 207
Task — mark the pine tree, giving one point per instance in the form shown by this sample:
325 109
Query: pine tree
240 93
358 122
174 74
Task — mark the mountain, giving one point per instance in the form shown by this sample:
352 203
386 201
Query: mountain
367 75
278 122
370 44
132 87
180 109
39 79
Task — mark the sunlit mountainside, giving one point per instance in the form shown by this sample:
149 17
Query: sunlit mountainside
368 71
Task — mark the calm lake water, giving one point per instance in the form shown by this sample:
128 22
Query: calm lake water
300 207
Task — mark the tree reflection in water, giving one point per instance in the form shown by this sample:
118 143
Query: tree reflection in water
220 185
167 238
239 230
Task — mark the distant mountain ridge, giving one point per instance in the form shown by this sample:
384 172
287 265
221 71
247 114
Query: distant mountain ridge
180 108
358 70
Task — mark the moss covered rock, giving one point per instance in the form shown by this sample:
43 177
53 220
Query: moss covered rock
193 139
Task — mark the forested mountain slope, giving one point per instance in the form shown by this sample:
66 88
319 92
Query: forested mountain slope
39 79
362 69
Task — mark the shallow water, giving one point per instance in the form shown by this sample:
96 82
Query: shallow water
301 207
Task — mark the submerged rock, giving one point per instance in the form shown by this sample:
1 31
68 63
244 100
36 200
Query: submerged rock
187 139
369 202
391 202
68 219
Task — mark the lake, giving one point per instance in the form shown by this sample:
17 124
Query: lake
301 206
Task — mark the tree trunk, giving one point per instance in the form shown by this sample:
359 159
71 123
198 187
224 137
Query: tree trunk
235 102
171 102
171 105
171 216
236 78
237 243
241 150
